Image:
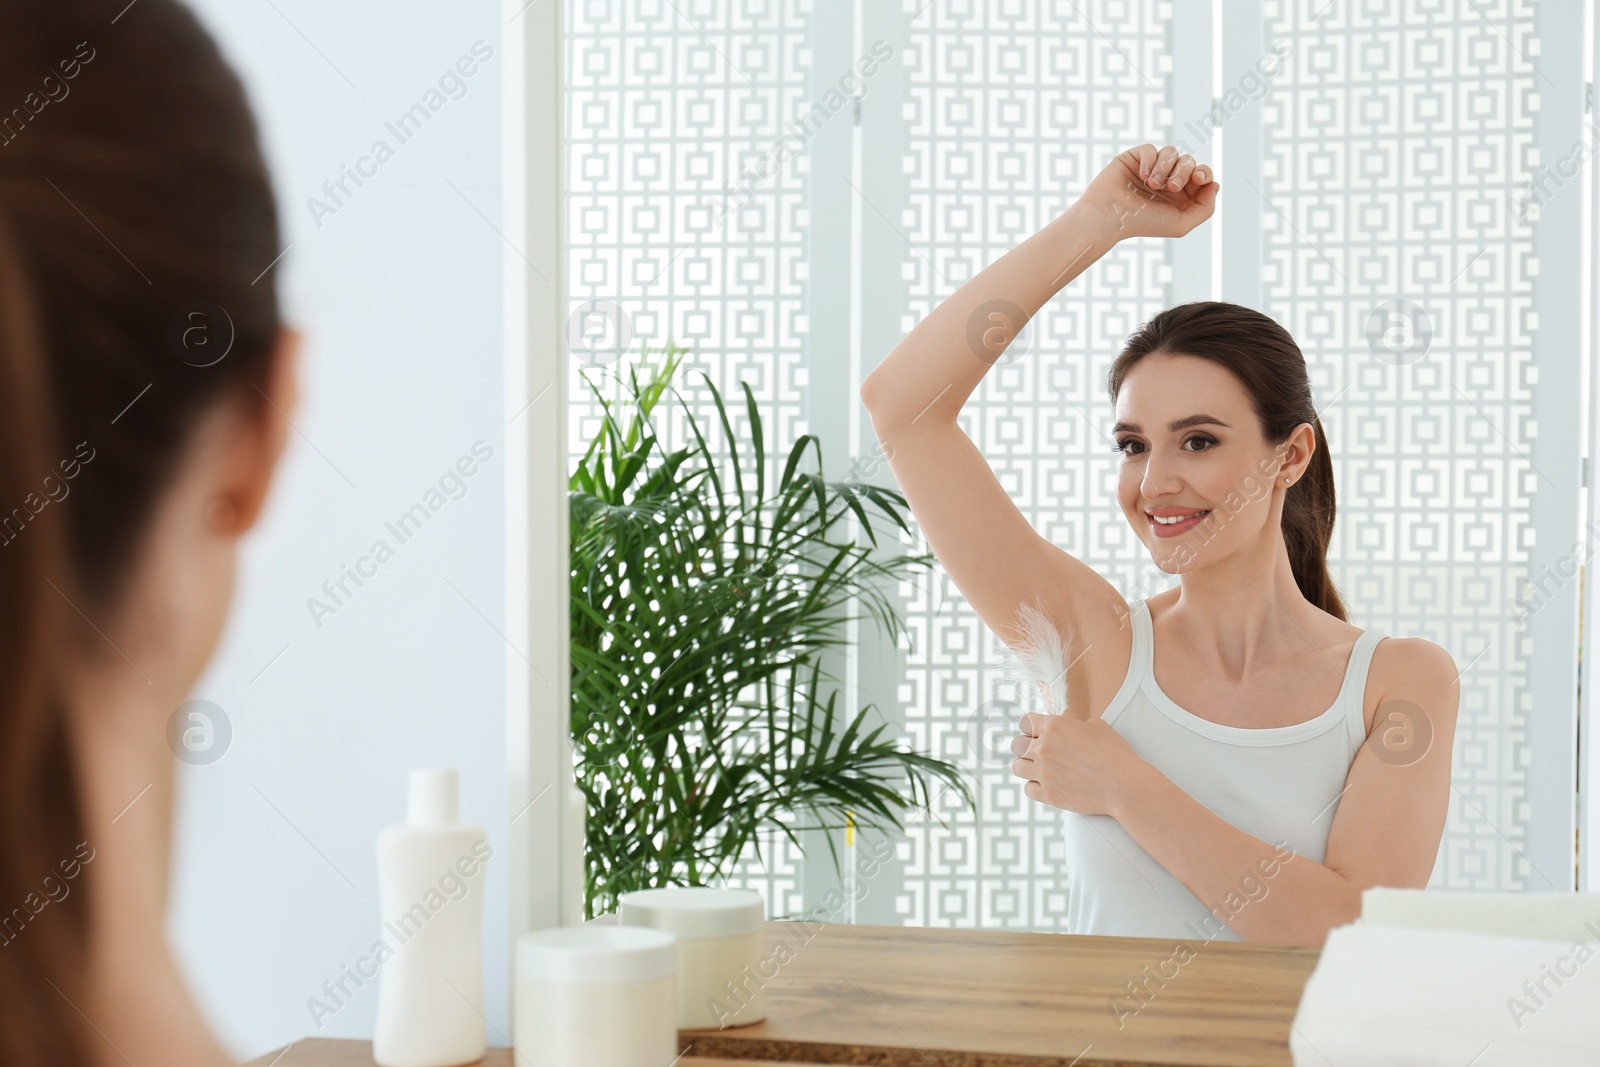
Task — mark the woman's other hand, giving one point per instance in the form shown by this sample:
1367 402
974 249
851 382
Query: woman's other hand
1153 192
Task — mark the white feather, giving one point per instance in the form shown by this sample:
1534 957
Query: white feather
1039 657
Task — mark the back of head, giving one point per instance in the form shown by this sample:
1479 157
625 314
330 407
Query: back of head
136 224
1270 366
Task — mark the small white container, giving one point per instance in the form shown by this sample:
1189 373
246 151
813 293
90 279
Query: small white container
596 995
722 938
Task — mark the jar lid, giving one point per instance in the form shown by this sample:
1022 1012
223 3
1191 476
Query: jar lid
597 952
694 911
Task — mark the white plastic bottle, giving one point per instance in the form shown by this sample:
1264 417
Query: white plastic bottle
430 895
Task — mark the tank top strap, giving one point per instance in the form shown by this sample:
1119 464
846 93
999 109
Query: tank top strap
1354 693
1142 663
1139 663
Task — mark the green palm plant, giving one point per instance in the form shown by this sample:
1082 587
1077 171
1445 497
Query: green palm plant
700 609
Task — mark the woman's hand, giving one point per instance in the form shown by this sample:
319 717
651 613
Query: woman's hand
1151 192
1078 765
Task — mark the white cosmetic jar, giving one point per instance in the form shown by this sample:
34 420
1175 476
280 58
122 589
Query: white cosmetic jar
596 995
721 935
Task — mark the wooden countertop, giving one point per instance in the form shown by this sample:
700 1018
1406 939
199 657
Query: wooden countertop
933 997
326 1052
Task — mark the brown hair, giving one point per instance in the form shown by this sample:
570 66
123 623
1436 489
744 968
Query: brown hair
1267 362
136 224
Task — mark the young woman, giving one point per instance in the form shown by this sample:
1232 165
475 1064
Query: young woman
145 384
1297 759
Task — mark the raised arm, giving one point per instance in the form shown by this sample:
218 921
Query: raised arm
993 555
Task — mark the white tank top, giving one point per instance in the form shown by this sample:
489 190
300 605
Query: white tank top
1280 784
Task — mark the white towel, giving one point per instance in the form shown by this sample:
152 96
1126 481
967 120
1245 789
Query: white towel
1393 996
1558 916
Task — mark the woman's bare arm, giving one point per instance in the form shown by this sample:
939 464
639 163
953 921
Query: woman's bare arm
914 396
930 374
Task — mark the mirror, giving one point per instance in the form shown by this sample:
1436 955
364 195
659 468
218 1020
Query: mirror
922 203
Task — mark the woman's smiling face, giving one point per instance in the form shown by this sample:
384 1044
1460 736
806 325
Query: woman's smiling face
1189 441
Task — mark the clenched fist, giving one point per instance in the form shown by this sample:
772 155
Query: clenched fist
1153 192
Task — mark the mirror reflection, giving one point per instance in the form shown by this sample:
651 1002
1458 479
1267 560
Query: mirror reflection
1039 400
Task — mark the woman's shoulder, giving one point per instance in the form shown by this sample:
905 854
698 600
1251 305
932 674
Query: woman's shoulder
1414 663
1413 676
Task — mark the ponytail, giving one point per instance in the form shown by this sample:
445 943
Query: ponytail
1308 514
43 939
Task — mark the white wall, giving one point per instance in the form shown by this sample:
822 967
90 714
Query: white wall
398 292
